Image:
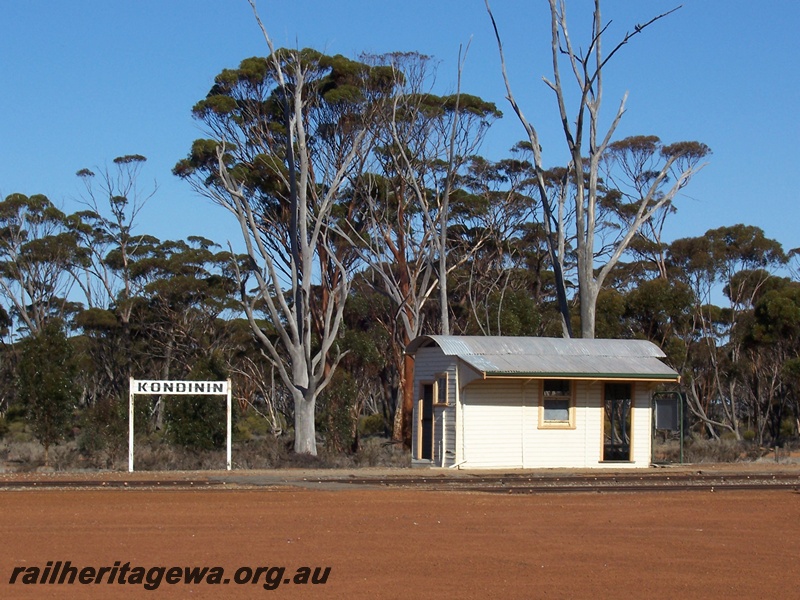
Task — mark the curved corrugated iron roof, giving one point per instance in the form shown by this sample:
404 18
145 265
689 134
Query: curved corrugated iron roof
499 356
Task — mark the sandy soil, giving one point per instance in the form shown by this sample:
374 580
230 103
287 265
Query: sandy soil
392 543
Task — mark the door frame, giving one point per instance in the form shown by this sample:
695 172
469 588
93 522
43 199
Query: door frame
632 387
426 400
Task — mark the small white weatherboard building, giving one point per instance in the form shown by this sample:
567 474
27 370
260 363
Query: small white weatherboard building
523 402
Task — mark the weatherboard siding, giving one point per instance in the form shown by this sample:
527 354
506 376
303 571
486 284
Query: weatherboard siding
642 433
493 424
430 363
501 428
553 448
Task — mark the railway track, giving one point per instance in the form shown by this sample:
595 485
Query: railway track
110 484
515 483
538 484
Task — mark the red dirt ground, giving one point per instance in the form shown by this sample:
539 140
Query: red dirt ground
394 543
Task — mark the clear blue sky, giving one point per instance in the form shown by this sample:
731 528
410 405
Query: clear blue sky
88 80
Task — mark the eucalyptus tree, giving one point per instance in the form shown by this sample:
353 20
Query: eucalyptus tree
36 249
791 381
114 200
494 219
45 381
426 142
794 263
107 274
733 263
770 341
647 173
368 337
287 135
113 282
185 306
179 319
423 141
253 378
662 311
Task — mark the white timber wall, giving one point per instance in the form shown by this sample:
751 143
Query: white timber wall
429 364
641 453
500 428
494 423
577 447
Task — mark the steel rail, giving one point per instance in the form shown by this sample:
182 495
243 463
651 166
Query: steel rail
516 483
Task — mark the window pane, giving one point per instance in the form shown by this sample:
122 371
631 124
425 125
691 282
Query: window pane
441 388
556 410
618 391
556 387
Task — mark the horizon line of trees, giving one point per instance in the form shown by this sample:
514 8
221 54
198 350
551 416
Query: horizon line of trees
724 306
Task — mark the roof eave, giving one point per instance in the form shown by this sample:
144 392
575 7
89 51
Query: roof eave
661 378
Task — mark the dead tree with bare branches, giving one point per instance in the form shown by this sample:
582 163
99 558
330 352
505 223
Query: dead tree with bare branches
654 173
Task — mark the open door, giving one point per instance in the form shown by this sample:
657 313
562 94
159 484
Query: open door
425 451
618 399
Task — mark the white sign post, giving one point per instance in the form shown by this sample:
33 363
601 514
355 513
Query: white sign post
178 388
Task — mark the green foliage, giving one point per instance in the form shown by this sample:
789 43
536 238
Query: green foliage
688 150
198 422
517 315
19 432
16 413
636 144
610 310
46 387
129 159
96 319
791 371
721 253
337 417
372 425
660 310
435 106
251 426
364 337
777 316
36 247
788 428
103 431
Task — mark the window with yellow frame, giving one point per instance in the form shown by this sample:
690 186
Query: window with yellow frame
557 404
440 389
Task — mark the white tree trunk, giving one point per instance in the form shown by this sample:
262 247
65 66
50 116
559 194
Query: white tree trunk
305 440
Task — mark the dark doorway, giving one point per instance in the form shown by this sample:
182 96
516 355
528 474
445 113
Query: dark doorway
426 423
618 399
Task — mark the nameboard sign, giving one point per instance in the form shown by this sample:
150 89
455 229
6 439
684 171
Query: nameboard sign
164 387
194 388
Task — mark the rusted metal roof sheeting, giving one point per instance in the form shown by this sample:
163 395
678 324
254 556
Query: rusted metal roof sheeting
554 357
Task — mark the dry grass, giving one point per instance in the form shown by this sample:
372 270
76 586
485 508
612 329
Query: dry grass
157 455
